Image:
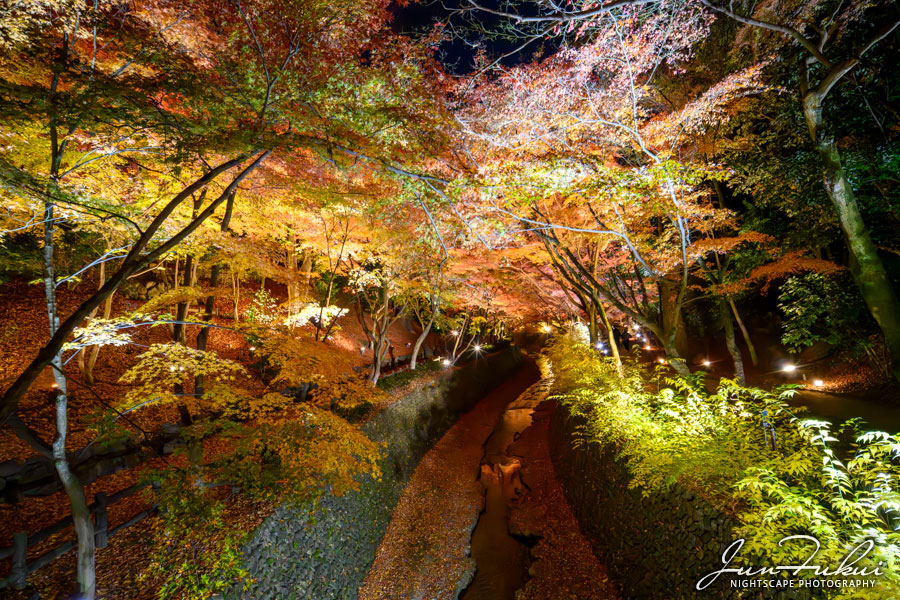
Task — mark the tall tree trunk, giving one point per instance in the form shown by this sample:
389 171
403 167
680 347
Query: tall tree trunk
306 275
87 358
592 323
236 290
379 348
189 280
181 311
95 350
81 514
610 337
290 261
203 336
674 356
672 321
322 306
746 334
332 269
865 264
419 341
731 342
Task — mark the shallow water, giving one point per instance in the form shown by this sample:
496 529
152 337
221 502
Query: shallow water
501 559
837 408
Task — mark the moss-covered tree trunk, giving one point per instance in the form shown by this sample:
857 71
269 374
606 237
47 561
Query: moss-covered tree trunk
865 263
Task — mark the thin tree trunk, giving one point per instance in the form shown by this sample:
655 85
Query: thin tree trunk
592 323
190 279
203 336
95 350
746 334
332 268
322 310
731 342
865 263
81 515
379 347
290 261
88 356
236 289
179 328
419 341
306 275
610 337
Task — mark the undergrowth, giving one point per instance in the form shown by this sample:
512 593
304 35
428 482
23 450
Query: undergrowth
746 452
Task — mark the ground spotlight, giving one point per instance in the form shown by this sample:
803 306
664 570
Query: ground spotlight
789 368
818 382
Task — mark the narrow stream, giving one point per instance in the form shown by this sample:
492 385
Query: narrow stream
501 559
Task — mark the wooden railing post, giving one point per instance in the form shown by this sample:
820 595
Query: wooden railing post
19 570
101 539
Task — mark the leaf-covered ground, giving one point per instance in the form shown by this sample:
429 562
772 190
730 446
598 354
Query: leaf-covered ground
564 566
425 551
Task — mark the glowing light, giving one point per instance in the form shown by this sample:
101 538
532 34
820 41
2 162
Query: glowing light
789 368
662 361
547 329
454 332
647 347
446 362
53 386
252 348
706 363
477 348
818 382
172 368
599 346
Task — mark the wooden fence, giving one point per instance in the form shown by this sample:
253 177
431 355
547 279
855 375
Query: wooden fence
21 569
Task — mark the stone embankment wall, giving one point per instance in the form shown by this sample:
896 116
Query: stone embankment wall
655 546
326 555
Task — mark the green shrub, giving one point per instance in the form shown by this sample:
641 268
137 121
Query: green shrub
744 451
818 307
